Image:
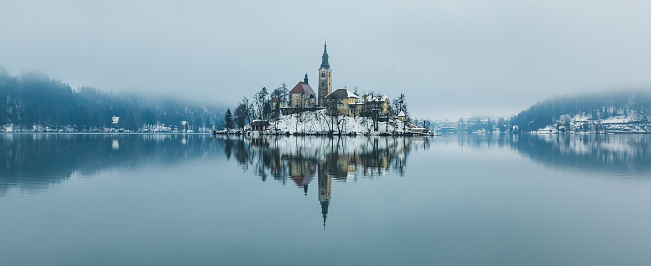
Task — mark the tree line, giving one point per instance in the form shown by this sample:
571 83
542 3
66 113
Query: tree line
259 107
36 99
595 106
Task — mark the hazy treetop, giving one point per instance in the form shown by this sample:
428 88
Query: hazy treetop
450 58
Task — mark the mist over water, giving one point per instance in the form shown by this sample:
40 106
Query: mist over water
194 199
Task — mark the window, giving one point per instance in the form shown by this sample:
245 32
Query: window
323 74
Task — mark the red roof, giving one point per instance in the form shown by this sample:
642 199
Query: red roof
302 87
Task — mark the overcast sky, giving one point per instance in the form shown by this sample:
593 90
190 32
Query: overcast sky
450 58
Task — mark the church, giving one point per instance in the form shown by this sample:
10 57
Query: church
302 97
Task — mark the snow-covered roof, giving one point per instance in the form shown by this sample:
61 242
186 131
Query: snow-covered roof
341 93
259 123
376 98
401 113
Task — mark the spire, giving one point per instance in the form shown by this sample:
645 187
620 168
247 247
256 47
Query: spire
305 79
324 59
324 211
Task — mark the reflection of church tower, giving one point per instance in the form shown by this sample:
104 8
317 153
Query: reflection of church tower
325 192
325 77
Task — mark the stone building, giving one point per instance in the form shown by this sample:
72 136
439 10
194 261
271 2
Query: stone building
302 95
342 102
276 102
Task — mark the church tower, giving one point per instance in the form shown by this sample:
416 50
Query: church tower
325 77
325 191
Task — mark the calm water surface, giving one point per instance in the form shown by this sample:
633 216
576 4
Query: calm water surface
198 200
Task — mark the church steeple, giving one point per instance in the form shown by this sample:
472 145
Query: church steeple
305 79
325 191
324 59
325 77
324 211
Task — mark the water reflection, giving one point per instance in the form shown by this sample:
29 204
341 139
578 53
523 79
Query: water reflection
613 155
299 159
34 162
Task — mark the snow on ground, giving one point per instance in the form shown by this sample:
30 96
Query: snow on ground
583 123
616 119
317 122
581 117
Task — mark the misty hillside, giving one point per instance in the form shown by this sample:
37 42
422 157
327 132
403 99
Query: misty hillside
36 100
630 106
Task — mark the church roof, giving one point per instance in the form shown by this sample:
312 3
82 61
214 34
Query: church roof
302 87
341 93
324 59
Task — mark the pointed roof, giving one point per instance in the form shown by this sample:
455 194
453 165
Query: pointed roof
302 87
324 59
324 211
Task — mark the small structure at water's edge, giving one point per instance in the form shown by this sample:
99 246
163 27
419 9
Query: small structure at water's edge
259 125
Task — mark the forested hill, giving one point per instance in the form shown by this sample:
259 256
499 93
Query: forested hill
632 106
34 99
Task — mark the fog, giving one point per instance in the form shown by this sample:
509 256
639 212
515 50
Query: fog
450 58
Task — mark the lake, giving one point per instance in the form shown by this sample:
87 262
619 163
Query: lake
101 199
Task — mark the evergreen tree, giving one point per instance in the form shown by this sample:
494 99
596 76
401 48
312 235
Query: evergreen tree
260 102
34 99
228 119
243 113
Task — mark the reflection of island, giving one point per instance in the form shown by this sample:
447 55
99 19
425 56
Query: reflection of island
330 158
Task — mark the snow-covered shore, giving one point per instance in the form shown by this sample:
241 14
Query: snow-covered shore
318 123
585 124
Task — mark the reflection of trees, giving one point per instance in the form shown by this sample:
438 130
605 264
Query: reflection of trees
297 158
33 162
332 158
612 153
595 153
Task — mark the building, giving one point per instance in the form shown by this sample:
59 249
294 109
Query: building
402 116
259 125
302 95
276 102
376 106
325 77
342 102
